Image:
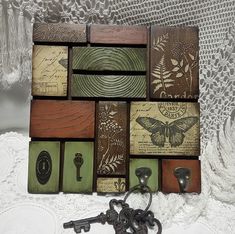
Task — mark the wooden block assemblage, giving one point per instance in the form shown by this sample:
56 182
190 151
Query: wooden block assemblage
165 128
174 63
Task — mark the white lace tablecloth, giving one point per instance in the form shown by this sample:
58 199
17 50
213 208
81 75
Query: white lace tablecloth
213 211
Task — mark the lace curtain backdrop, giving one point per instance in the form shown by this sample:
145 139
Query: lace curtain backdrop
213 211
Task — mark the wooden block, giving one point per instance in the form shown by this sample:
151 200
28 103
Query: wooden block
64 33
116 34
44 166
170 182
62 119
109 59
49 70
150 163
111 185
109 86
165 128
111 138
174 62
83 181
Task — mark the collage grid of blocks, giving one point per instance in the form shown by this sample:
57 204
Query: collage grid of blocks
109 99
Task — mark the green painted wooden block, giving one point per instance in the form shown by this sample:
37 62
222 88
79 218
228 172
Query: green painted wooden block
44 166
109 59
109 86
150 163
78 167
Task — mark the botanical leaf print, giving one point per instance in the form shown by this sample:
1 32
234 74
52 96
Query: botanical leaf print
162 76
110 164
160 43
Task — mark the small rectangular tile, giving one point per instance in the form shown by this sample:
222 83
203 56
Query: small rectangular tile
165 128
44 166
49 71
111 185
83 154
169 180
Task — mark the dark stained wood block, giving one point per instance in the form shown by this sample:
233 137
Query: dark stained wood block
150 163
169 180
111 138
62 119
108 86
49 70
111 185
75 181
165 128
44 166
109 59
63 33
117 34
174 62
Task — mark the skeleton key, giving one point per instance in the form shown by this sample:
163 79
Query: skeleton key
78 161
85 224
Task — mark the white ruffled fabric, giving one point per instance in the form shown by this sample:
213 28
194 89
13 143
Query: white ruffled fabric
213 211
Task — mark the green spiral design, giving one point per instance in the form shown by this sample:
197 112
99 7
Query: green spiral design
109 86
109 59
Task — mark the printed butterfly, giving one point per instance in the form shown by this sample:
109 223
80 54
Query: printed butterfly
174 130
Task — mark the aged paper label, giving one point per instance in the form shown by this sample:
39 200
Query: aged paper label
49 70
111 185
165 128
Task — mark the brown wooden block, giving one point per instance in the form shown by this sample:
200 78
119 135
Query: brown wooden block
115 34
108 86
174 62
109 59
169 180
111 138
64 33
165 128
111 185
49 73
62 119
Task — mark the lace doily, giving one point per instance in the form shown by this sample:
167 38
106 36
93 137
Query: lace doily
214 208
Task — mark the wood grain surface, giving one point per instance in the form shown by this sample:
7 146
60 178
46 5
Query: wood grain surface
59 32
174 62
109 59
62 119
108 86
53 149
169 181
49 72
118 34
111 185
111 138
165 128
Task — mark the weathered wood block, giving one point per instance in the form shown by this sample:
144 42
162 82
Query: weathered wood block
109 86
63 33
174 62
62 119
111 138
78 167
111 185
109 59
44 166
169 180
49 76
165 128
150 163
116 34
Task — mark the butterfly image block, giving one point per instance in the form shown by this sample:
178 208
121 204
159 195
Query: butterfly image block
49 70
164 128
